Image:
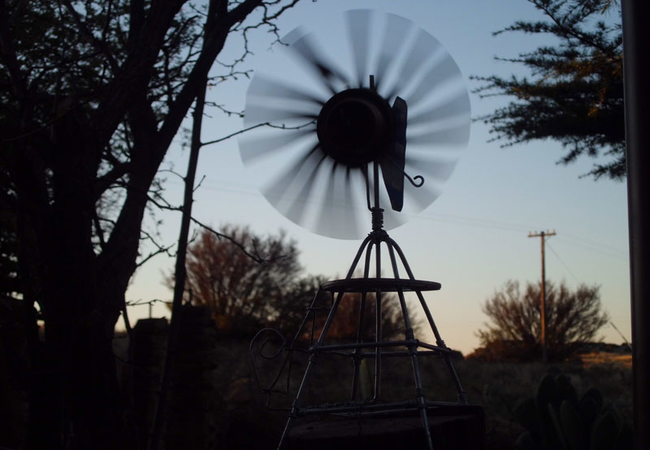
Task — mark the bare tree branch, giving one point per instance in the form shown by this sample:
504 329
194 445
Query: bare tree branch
253 127
100 45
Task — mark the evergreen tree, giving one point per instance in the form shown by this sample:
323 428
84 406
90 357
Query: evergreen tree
574 94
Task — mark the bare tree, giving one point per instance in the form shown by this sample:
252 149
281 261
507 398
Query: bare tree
572 318
246 295
93 94
346 322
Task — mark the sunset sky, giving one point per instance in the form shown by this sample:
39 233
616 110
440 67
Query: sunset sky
475 236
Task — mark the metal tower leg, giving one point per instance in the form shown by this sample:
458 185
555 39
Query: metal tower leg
361 348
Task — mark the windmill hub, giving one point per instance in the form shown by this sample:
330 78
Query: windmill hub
354 126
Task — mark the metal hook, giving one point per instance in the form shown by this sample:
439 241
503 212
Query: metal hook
417 181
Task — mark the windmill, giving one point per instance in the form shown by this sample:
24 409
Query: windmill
339 147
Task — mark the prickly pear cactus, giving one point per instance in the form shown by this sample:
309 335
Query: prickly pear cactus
557 419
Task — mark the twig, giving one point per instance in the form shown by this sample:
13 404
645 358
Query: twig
621 334
259 125
258 259
147 302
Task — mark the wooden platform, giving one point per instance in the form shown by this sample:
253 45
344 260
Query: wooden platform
453 427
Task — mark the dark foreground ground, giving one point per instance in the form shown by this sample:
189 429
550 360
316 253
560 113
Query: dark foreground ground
217 404
497 387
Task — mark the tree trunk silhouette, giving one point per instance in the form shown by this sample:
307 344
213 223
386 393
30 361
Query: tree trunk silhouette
84 118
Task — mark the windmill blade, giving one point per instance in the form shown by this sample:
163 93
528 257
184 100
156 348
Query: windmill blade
395 36
252 150
326 218
453 107
441 72
392 219
433 168
305 48
276 191
265 87
423 196
450 135
330 117
420 53
337 217
359 22
351 227
296 211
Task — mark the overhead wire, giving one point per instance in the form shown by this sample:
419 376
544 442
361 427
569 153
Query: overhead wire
562 261
569 238
617 253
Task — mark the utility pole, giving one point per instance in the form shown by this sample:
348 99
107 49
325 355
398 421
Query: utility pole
543 235
637 142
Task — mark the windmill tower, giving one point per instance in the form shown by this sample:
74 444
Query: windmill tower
343 142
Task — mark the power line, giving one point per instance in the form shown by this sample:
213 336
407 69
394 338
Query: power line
617 254
563 263
479 222
592 243
475 221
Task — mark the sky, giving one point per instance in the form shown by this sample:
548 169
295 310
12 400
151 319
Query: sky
474 237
